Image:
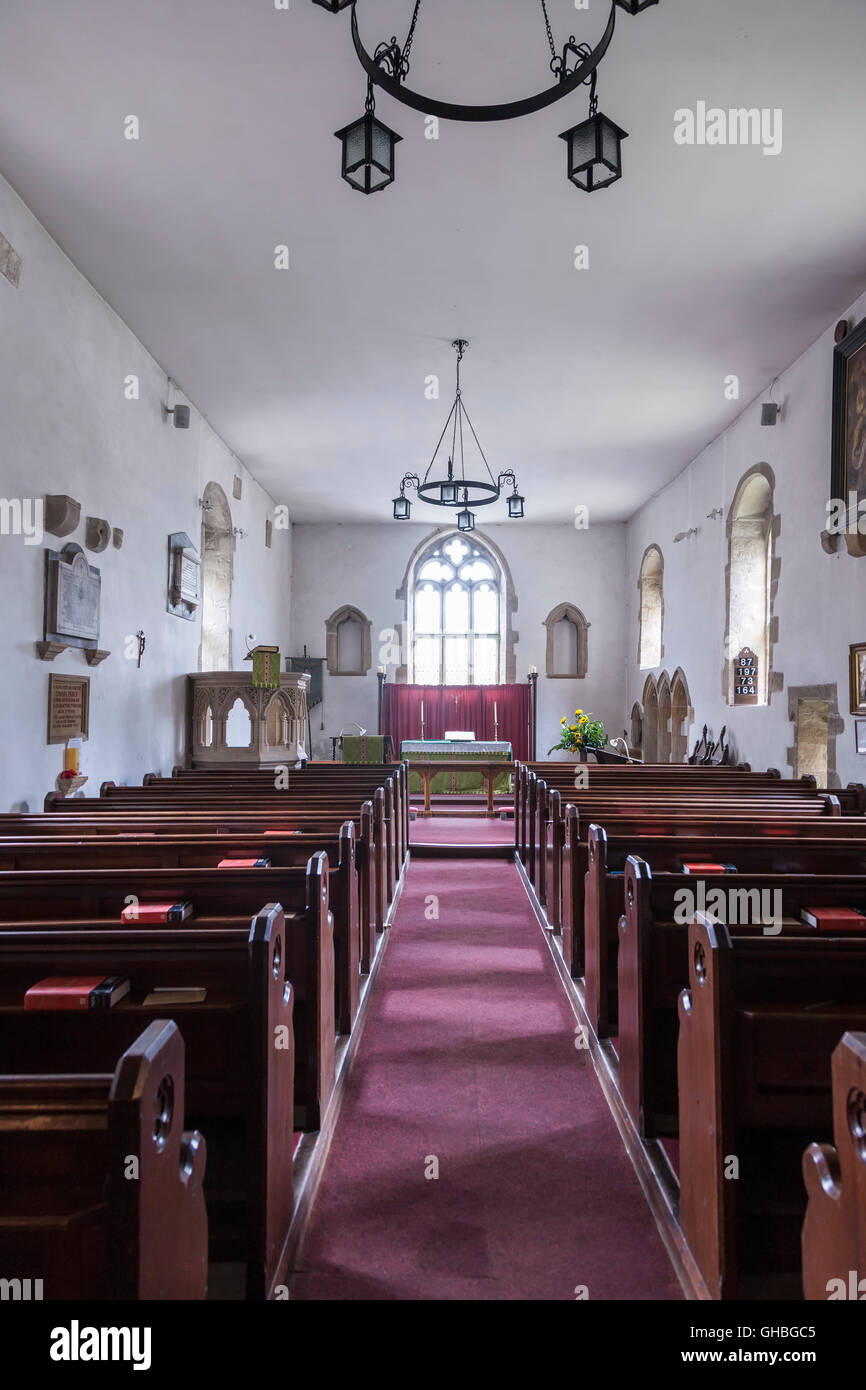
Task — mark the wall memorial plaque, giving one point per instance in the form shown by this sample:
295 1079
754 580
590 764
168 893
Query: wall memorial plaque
72 595
746 678
184 577
68 707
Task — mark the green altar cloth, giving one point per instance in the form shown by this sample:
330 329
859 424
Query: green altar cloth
366 748
460 783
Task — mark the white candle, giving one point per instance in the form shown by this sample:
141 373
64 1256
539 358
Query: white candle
495 713
533 670
422 711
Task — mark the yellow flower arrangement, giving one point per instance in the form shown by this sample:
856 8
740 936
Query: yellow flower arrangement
587 732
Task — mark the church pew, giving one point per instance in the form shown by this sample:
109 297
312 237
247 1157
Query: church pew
240 1053
70 1214
547 825
653 966
736 823
310 783
100 852
638 791
376 886
759 1020
652 779
562 777
834 1230
97 897
312 792
604 887
282 804
365 776
186 846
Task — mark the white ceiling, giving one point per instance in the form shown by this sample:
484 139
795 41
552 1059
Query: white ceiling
596 386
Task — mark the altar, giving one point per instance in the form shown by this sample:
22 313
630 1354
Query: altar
466 728
453 781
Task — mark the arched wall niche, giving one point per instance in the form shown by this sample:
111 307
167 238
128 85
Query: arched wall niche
663 744
682 716
567 651
348 642
217 551
636 730
651 613
650 721
508 605
752 580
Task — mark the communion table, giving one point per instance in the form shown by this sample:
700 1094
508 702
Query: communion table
464 766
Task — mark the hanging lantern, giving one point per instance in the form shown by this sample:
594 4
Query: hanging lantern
515 505
368 150
402 508
466 520
336 5
448 494
594 152
633 6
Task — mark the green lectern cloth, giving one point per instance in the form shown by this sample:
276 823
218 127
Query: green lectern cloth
363 748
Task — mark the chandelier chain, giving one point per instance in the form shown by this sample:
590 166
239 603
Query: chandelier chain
407 47
549 31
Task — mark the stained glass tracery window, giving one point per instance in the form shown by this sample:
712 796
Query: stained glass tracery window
456 616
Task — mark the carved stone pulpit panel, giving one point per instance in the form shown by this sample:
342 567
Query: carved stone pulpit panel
277 719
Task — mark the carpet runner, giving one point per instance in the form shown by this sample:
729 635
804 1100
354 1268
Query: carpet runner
467 1068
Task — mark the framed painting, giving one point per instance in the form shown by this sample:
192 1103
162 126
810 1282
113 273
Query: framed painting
857 677
848 467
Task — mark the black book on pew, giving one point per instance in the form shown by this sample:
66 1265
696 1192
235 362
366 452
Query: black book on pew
110 992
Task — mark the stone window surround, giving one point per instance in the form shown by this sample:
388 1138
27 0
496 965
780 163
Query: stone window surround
642 577
437 538
775 679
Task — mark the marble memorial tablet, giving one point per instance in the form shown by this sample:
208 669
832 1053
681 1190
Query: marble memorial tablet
72 598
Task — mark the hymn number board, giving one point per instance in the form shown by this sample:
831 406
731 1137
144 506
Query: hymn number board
746 678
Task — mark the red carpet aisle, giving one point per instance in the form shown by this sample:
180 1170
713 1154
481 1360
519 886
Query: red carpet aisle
457 830
468 1058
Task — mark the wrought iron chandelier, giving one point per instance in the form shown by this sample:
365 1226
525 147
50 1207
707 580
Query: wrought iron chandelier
594 145
455 489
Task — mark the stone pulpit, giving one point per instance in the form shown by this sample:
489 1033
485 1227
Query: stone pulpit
220 703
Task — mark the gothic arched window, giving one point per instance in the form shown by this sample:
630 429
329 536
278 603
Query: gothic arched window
457 615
